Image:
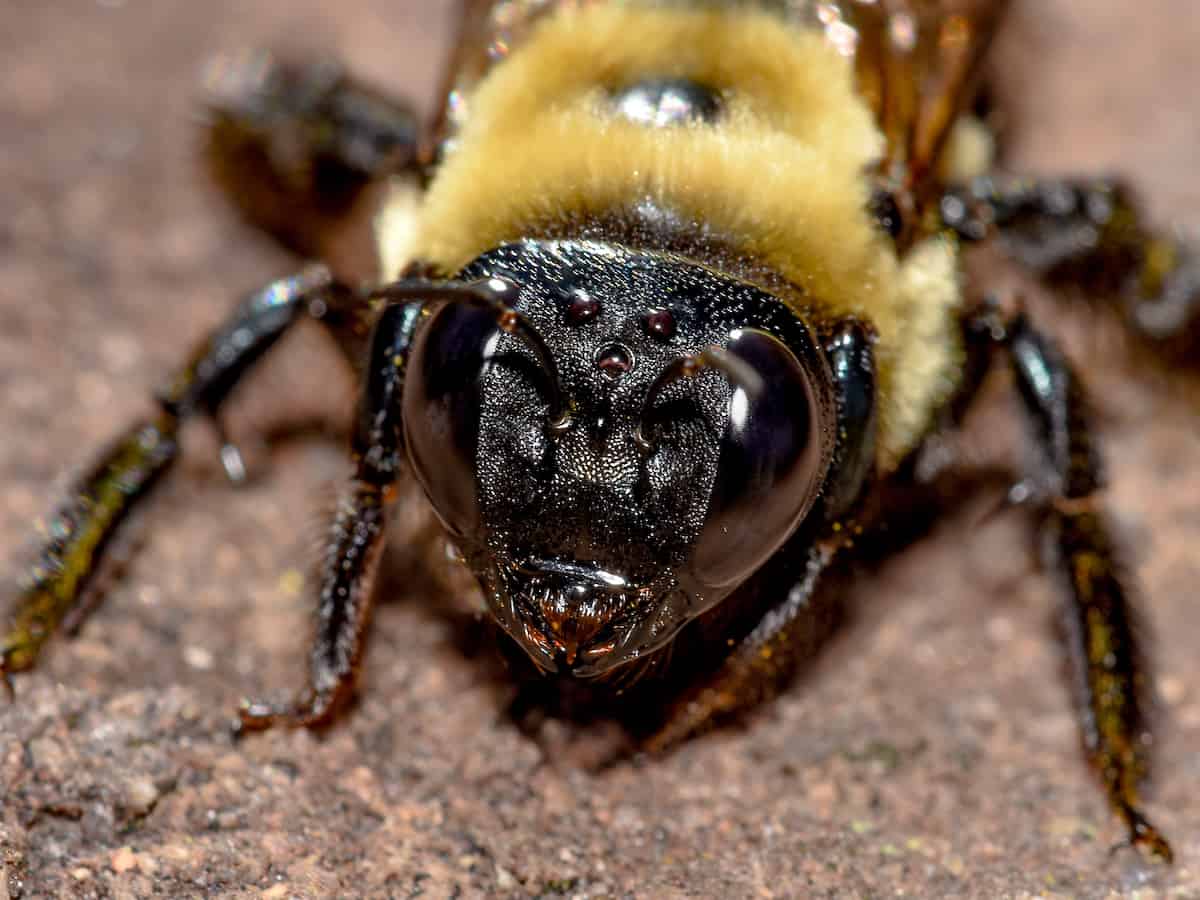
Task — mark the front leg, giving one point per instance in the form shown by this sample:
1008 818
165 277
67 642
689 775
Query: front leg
358 534
764 661
356 539
790 631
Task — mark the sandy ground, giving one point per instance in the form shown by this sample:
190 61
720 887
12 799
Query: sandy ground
931 753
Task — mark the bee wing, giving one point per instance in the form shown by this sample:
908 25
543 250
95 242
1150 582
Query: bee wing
918 63
487 31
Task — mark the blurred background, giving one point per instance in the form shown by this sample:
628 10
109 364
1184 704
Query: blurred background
932 752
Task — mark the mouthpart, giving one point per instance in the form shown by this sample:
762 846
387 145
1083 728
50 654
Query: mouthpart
578 619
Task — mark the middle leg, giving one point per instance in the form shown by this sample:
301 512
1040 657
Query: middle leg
55 593
1111 681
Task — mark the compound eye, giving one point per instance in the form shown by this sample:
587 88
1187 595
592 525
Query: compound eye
442 397
773 457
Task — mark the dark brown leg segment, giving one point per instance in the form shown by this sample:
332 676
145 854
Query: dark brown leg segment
791 630
1089 233
101 500
763 662
356 540
294 145
1109 675
343 613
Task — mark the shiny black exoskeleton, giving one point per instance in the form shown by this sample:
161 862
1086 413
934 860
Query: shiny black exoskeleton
602 528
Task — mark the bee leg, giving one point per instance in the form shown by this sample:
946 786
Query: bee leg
295 145
1109 673
356 539
106 494
765 660
789 633
1089 233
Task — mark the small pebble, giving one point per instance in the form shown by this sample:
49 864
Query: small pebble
1172 690
198 658
124 860
291 583
140 796
504 879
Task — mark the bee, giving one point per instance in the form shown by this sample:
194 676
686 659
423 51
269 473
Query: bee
670 307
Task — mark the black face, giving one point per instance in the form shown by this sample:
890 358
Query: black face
676 471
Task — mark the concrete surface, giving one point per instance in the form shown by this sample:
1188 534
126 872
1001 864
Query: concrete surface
932 753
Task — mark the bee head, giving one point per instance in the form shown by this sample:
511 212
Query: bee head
622 448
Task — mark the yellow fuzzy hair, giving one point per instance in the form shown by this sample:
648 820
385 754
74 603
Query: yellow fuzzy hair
779 176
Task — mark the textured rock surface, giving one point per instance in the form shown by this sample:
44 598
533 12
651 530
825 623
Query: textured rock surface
931 753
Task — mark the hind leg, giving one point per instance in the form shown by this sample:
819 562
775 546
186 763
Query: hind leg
308 154
1090 234
295 145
